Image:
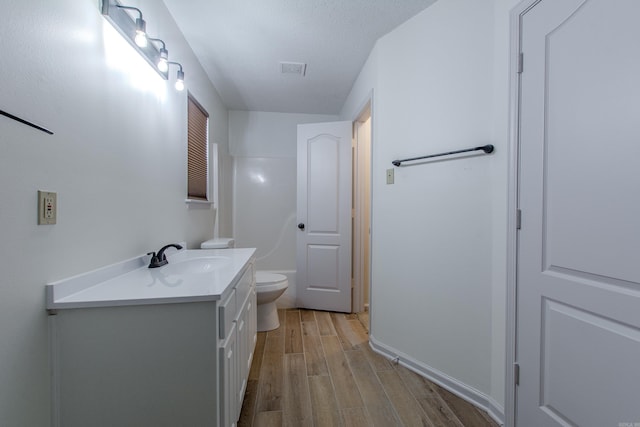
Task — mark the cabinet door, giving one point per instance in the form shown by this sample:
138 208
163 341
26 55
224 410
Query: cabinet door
246 339
243 354
252 325
229 380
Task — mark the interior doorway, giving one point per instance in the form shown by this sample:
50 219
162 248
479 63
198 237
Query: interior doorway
361 213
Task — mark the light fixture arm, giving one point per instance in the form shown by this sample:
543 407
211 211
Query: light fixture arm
164 46
130 8
176 63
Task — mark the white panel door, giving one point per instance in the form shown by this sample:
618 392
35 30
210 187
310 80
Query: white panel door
578 283
324 216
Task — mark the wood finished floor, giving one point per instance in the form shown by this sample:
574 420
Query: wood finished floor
317 370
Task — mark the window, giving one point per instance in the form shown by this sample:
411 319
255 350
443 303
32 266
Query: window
197 162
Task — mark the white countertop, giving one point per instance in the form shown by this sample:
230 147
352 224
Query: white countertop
191 275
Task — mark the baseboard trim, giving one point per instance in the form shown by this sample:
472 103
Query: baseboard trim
460 389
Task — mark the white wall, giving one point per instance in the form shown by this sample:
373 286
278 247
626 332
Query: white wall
117 161
440 82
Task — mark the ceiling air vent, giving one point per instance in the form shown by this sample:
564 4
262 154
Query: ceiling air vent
293 68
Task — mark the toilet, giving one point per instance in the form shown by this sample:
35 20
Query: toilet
269 287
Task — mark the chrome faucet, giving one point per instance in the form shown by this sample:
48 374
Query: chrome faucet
161 259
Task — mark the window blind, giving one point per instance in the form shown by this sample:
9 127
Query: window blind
198 120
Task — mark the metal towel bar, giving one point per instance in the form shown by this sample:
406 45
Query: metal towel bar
486 148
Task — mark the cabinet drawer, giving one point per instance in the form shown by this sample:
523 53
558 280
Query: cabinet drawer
226 313
243 288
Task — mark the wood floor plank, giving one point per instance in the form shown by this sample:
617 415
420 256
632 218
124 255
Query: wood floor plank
307 315
383 416
347 394
348 337
323 402
268 419
432 404
278 331
377 361
297 402
271 376
314 355
325 325
468 414
407 407
364 319
249 404
375 399
488 418
367 381
274 344
359 331
293 332
355 417
254 372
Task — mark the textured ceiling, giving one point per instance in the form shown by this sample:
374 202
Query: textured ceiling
240 44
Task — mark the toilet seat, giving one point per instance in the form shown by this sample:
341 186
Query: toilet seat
266 281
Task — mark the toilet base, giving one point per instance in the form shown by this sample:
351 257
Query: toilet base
268 317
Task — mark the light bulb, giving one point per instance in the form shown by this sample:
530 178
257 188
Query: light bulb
163 65
141 32
141 39
180 80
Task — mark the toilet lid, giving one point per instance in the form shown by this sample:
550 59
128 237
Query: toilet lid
265 278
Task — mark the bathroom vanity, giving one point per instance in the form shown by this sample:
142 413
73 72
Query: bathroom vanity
169 346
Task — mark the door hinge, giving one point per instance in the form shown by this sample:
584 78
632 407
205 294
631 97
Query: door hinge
516 373
520 63
518 219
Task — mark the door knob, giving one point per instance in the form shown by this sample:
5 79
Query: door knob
301 226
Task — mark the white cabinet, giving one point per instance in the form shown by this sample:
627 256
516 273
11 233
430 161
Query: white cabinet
236 352
161 365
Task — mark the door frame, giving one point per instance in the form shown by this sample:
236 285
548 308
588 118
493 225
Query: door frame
357 302
512 208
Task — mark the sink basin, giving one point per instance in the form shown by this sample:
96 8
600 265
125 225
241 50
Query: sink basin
188 266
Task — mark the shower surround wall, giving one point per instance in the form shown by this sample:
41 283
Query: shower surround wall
263 146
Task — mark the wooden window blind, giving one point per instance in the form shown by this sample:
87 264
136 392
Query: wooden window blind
197 163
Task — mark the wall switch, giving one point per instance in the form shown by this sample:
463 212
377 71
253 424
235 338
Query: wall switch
47 207
389 176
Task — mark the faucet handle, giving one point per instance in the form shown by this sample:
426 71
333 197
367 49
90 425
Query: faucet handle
155 261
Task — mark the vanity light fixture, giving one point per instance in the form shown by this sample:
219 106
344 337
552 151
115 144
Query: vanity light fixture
179 76
135 32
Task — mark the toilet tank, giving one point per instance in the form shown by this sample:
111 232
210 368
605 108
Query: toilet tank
218 243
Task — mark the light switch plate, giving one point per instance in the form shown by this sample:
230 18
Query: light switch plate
389 176
47 207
